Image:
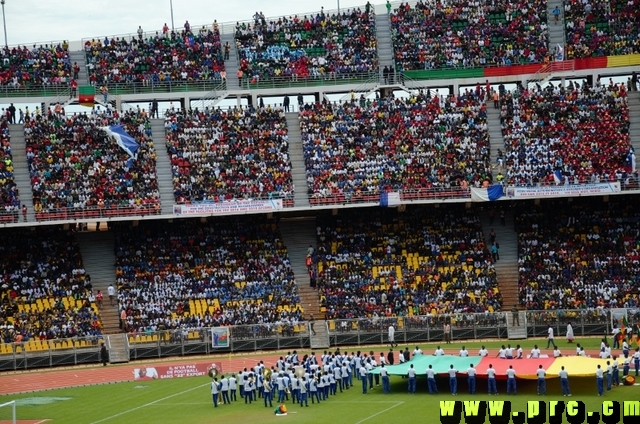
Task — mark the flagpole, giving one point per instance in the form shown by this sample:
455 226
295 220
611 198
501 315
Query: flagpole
171 4
4 23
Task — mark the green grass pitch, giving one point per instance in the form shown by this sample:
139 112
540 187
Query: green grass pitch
188 400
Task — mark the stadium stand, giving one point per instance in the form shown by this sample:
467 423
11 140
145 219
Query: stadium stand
9 194
579 254
377 263
423 146
601 28
77 171
437 34
45 292
309 47
240 153
574 134
165 57
39 66
223 272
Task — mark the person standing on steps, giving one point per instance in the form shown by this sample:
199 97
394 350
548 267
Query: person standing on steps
111 291
516 315
312 322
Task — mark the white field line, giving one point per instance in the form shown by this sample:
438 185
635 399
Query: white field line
378 413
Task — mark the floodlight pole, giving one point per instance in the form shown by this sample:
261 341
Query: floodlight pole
4 23
336 0
170 4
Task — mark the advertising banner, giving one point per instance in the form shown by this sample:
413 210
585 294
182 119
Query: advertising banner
563 190
240 206
161 372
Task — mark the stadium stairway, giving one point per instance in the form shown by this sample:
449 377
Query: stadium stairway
556 31
79 57
298 234
507 267
118 346
383 35
231 65
96 248
495 137
634 121
321 339
163 167
298 172
21 169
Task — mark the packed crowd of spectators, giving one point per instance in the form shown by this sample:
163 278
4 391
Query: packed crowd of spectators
364 147
38 66
567 134
75 166
238 153
605 28
240 266
38 265
9 194
323 46
182 56
382 263
579 254
436 34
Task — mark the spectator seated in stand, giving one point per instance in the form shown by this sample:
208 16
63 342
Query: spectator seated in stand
76 167
339 45
9 199
437 34
40 66
240 153
567 135
45 292
359 149
596 29
240 267
380 263
168 57
582 254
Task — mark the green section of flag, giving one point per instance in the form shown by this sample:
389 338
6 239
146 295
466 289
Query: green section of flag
86 95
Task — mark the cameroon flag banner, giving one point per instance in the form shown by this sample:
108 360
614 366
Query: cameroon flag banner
86 94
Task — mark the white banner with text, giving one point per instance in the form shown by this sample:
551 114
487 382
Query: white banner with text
239 206
570 190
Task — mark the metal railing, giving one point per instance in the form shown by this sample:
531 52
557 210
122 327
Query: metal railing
406 195
342 332
36 90
95 212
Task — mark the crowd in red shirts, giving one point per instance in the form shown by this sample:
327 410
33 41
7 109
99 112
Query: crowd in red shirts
221 155
178 57
74 165
45 65
366 147
323 45
595 29
434 34
572 134
580 254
